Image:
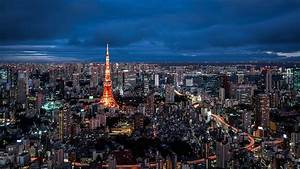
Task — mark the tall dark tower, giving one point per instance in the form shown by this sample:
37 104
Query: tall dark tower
107 99
226 85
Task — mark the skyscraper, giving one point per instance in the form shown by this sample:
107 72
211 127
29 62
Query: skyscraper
156 80
61 122
226 85
22 88
246 120
107 99
222 94
268 81
146 86
296 79
288 76
262 104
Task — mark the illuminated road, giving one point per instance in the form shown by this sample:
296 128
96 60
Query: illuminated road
220 120
178 93
217 119
251 140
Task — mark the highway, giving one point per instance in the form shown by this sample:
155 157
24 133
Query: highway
251 140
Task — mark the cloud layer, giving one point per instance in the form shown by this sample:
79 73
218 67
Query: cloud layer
174 29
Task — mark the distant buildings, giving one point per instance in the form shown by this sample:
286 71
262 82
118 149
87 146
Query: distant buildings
170 116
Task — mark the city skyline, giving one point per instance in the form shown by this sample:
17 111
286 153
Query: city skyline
127 84
173 31
137 115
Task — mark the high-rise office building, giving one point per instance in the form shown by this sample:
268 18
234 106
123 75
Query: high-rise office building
296 79
222 94
22 87
262 110
268 81
146 86
288 76
226 85
246 120
61 121
156 80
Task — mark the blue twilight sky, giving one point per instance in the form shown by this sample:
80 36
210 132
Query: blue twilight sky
150 30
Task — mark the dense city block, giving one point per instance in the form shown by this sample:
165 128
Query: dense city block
158 116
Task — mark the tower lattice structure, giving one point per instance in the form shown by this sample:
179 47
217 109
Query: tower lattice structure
107 99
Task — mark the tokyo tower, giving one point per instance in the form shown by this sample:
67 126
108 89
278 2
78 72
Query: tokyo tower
107 99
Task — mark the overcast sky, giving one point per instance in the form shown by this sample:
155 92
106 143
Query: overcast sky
149 30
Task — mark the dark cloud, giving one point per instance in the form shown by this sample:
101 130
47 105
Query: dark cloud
178 26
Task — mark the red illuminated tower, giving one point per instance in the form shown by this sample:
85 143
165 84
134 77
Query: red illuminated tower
107 99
